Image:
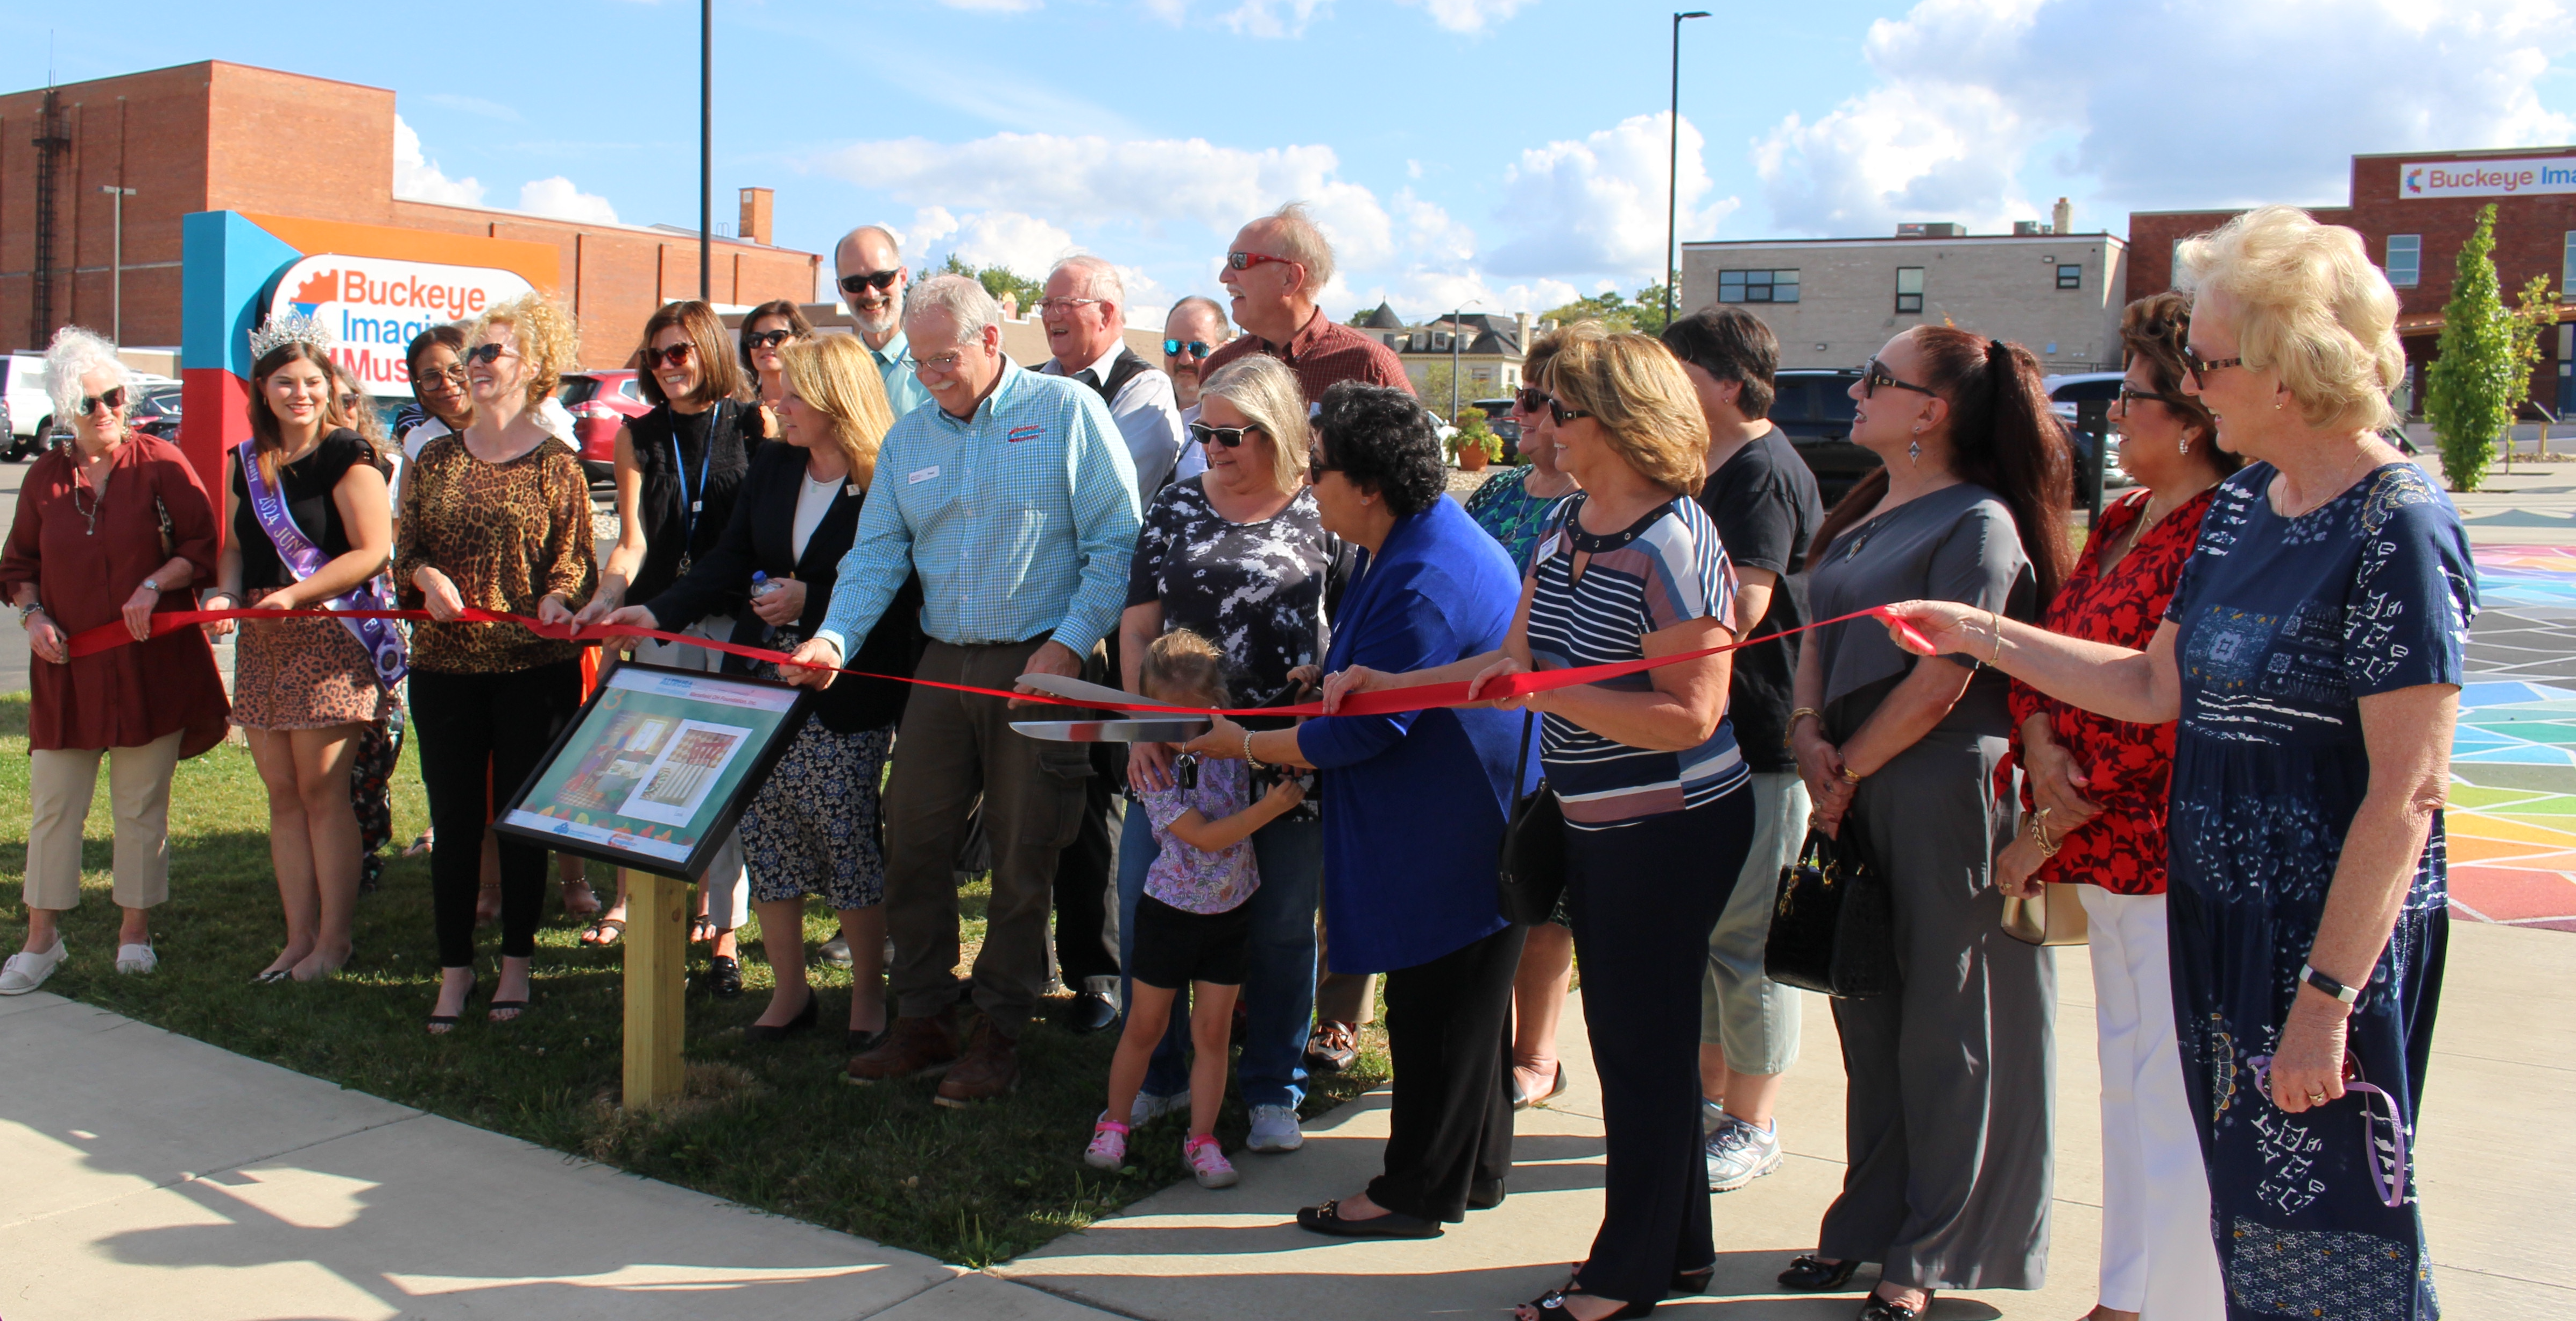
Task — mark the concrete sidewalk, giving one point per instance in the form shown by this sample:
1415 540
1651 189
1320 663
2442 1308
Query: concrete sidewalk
149 1175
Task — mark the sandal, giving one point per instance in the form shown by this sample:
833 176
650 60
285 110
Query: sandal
422 845
1813 1274
604 932
441 1024
518 1010
702 929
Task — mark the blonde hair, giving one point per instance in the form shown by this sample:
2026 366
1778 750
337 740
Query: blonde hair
1265 391
835 374
2310 306
1183 664
1634 388
548 341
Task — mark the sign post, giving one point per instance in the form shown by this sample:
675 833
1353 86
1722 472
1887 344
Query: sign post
657 941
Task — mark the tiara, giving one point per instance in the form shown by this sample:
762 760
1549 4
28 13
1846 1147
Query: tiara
292 328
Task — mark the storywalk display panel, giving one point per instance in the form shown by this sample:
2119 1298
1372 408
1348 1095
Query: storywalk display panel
656 767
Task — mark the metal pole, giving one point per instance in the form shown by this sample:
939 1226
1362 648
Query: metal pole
116 263
1673 164
1454 328
706 149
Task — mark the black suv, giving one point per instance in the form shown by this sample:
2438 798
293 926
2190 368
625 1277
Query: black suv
1814 407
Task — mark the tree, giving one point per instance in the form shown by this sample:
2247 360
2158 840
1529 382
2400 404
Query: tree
2530 323
1606 307
2468 385
1649 304
998 280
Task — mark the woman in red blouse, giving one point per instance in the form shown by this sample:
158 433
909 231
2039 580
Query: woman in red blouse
110 529
2095 791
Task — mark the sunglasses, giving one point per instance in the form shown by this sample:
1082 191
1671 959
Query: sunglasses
1876 377
1244 261
1230 437
1315 470
2192 362
1198 348
114 399
877 280
768 339
452 374
2129 396
670 357
486 354
1532 400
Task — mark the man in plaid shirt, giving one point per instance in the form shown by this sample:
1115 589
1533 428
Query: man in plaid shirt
1276 269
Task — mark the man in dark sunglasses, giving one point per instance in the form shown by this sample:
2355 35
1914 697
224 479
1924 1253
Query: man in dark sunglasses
1195 329
869 275
1277 266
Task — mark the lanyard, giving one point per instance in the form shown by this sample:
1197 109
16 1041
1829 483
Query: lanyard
689 504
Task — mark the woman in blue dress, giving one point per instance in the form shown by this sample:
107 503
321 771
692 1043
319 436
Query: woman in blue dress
2312 653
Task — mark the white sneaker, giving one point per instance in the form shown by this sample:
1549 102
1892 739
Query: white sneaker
1150 1107
1274 1130
25 972
136 958
1738 1153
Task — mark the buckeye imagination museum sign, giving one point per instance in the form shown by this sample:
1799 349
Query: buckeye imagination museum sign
376 305
2488 178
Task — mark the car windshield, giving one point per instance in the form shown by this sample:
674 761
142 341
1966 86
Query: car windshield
2079 391
576 390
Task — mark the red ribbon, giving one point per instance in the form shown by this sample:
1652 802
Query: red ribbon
1386 701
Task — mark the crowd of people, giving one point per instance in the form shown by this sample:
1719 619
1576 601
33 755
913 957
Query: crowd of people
2221 727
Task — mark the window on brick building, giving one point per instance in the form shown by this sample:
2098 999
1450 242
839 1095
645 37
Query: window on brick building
1909 288
2070 277
2405 265
1757 286
2567 270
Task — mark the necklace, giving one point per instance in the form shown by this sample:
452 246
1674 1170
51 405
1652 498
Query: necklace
97 494
2350 473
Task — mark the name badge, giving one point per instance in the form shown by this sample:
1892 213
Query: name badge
922 476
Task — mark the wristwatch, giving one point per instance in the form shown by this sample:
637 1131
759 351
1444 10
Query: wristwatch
2347 994
28 611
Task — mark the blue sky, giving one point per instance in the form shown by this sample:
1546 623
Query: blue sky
1510 151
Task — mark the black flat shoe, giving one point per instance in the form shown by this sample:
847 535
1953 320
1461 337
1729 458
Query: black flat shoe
804 1019
1484 1196
1552 1305
1883 1309
1689 1283
1327 1220
1089 1013
1815 1275
724 976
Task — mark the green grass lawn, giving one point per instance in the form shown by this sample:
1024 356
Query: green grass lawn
773 1127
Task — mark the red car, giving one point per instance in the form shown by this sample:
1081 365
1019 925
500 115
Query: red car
600 403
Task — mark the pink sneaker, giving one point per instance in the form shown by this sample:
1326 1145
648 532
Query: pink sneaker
1108 1150
1207 1162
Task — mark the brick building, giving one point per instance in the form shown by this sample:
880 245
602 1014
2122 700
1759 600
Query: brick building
2414 210
215 136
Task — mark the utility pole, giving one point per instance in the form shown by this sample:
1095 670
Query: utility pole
1673 164
116 264
706 149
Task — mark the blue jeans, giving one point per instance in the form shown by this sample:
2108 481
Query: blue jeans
1279 995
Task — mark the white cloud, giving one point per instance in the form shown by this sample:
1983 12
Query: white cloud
559 199
1015 239
417 178
1969 90
1599 204
1263 18
1470 15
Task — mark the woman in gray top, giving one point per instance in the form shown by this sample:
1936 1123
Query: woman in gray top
1948 1122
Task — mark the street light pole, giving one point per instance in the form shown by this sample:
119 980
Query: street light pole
1455 345
116 264
706 149
1673 163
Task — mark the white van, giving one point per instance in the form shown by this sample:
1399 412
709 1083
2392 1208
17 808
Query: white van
31 410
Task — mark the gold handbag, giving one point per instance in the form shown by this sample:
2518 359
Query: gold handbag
2056 917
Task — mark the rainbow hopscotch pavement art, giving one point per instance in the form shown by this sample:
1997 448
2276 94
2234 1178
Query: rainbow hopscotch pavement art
2512 816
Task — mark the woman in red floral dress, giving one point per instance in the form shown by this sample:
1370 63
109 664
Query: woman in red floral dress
2094 792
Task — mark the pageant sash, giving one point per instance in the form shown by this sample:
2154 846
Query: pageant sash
384 642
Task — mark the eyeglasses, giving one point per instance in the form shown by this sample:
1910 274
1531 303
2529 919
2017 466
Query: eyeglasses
486 354
1198 348
1531 401
1061 306
452 374
877 280
670 357
2192 362
1230 437
1244 261
2129 396
945 364
1876 376
350 402
768 339
114 399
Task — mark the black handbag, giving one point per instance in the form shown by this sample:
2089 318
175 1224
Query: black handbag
1531 878
1833 928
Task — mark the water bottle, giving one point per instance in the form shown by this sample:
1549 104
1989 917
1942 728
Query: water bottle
761 585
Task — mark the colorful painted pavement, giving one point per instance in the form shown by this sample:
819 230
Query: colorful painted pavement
2512 814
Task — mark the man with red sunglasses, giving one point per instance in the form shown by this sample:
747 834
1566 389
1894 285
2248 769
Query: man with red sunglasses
1278 264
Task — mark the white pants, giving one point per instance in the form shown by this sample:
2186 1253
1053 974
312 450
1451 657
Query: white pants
2157 1258
727 885
61 785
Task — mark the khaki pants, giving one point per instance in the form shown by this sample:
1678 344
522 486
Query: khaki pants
951 748
61 785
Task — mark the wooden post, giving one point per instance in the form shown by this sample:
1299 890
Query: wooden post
656 954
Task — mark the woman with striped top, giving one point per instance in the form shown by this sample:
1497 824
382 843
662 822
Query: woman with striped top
1655 794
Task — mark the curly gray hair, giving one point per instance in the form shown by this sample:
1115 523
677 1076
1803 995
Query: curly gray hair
74 354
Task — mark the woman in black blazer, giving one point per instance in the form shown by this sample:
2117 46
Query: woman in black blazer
812 828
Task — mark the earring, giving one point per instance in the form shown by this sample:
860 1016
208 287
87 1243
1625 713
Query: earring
1914 452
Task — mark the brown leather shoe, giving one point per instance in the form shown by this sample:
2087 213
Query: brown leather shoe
915 1045
990 1068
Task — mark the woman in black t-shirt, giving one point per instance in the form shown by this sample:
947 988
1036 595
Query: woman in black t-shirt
304 689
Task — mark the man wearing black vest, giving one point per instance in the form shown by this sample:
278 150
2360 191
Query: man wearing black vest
1084 308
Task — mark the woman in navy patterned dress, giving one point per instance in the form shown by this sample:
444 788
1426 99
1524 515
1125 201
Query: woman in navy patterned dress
2312 653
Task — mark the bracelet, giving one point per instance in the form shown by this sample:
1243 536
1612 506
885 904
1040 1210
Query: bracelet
29 611
2039 834
1794 717
1850 776
2347 994
1248 758
1996 627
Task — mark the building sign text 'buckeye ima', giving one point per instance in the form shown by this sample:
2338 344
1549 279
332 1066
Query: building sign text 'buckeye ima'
375 306
2491 178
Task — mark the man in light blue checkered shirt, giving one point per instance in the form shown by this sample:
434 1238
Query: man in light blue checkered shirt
1014 498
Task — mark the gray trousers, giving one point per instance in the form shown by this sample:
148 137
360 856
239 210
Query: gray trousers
1947 1121
954 747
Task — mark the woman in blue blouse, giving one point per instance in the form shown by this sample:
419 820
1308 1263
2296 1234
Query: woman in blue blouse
2312 653
1413 813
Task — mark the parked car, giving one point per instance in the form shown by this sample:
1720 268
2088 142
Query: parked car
2065 396
156 413
31 412
1814 407
1499 420
600 404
